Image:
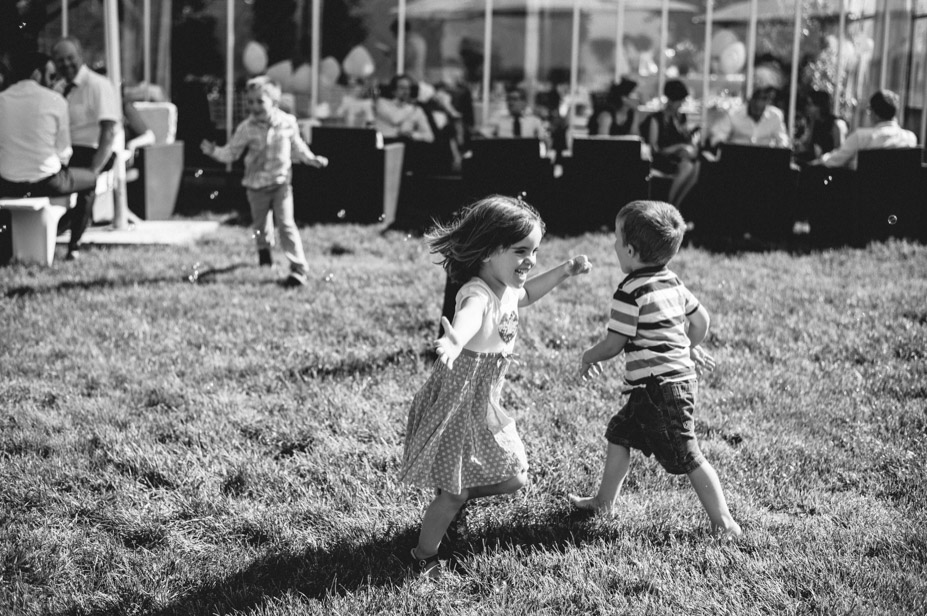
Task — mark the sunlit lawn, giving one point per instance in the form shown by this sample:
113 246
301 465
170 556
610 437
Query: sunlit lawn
181 435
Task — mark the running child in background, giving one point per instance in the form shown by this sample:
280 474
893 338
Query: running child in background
459 441
271 138
659 324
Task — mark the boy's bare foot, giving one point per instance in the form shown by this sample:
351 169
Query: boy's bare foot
729 534
589 503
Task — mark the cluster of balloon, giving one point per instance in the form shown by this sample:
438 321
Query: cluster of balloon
357 64
729 52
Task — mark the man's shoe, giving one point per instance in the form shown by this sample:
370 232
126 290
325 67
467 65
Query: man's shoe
265 259
73 255
296 279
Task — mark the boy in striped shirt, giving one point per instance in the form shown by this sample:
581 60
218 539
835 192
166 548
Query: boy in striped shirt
658 323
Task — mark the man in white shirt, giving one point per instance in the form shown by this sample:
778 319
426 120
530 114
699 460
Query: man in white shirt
35 141
884 134
758 122
94 113
517 120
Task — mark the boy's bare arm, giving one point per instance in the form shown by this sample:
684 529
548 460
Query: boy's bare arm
605 349
698 326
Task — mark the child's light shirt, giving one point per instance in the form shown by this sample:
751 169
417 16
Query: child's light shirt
271 145
650 308
500 317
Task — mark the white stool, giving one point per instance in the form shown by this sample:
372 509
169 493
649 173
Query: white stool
35 226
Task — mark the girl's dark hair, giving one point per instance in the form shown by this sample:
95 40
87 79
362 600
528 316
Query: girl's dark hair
480 230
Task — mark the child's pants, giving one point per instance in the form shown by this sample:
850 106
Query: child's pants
278 199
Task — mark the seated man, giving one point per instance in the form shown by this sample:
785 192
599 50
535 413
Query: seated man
884 134
757 122
94 116
35 140
517 120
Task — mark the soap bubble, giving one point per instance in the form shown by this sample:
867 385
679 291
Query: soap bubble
214 194
381 218
892 219
329 277
342 214
198 173
194 276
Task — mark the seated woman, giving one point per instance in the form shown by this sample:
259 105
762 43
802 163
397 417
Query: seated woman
399 117
671 142
823 131
617 115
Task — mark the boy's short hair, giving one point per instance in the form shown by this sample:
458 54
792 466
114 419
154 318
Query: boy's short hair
27 62
884 103
266 86
653 228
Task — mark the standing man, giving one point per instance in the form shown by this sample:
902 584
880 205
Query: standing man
35 140
94 111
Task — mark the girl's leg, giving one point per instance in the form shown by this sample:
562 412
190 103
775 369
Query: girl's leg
437 518
289 232
617 463
440 513
510 485
708 487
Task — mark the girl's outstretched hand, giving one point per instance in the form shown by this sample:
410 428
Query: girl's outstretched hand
704 362
579 264
449 345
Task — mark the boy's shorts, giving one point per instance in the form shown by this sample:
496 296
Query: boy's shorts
657 420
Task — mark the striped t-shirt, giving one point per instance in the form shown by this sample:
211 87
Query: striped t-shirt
650 308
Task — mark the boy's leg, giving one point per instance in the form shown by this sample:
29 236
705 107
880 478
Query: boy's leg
261 223
708 487
617 463
289 233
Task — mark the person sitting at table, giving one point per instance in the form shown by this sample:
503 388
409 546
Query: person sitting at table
400 117
671 142
886 133
823 131
517 120
35 139
756 122
617 115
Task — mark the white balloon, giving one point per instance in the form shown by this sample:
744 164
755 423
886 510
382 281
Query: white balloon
732 58
302 79
282 73
329 70
254 58
720 41
358 63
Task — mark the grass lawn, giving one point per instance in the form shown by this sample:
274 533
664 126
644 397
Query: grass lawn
181 435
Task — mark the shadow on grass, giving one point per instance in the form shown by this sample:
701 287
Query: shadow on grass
196 276
345 567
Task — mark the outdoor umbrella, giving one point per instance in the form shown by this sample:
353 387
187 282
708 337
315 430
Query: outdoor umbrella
467 9
772 10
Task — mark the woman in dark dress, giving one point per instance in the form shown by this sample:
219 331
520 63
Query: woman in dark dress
617 116
671 142
823 131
